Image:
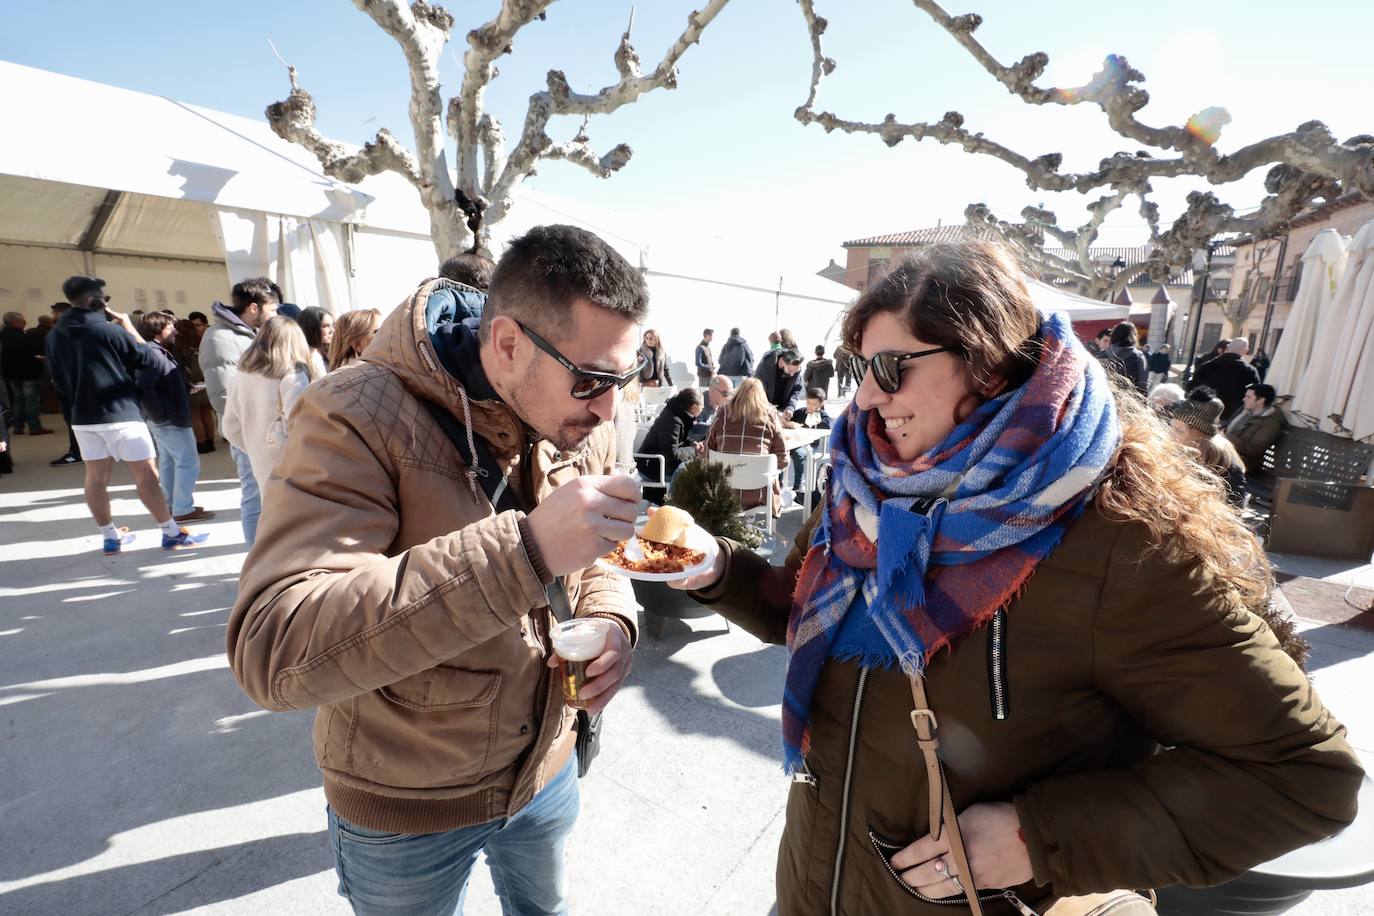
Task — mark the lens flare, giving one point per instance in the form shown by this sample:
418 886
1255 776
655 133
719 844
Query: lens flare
1206 125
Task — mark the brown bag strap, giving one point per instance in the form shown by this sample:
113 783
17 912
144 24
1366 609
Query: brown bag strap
943 817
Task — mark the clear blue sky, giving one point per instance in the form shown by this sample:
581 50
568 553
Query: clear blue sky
722 154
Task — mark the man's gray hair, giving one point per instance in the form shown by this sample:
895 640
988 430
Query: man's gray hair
12 317
1238 345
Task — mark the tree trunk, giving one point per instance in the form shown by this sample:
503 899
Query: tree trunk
448 230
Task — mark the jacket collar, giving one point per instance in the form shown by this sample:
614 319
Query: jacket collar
405 345
226 318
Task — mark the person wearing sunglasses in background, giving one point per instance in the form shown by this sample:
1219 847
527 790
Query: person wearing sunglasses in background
385 589
1012 537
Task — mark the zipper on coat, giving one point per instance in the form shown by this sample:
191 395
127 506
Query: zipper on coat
844 797
997 666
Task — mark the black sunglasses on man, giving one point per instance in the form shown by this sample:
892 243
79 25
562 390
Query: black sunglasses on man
587 384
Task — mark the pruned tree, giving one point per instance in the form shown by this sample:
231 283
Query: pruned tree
487 171
1254 285
1305 164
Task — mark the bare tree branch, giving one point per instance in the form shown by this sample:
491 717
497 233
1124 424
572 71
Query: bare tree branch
1307 163
486 43
559 99
422 28
294 120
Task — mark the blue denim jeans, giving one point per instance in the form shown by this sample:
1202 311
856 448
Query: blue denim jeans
427 874
250 500
25 400
178 465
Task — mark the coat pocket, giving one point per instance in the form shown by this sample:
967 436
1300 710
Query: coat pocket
433 729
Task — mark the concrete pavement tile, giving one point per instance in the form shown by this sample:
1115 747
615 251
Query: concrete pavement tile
751 888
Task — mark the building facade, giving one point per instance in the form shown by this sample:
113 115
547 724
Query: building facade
1269 271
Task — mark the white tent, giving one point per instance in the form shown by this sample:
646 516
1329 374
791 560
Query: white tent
1322 264
169 203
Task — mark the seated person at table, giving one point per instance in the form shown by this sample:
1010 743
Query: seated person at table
670 437
812 416
748 425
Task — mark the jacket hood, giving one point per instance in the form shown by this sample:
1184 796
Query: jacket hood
227 319
76 323
405 345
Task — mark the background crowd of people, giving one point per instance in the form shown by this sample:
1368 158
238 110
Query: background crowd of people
155 391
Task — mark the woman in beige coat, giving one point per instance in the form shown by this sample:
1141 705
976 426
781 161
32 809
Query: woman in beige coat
273 372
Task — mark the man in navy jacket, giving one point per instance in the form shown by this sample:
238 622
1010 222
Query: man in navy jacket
93 360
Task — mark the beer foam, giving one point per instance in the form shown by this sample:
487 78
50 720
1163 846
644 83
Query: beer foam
579 640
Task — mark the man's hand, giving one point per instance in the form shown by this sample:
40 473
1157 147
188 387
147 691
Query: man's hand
124 322
584 519
607 671
997 854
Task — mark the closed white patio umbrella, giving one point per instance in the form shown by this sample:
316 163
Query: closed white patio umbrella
1316 392
1351 395
1322 265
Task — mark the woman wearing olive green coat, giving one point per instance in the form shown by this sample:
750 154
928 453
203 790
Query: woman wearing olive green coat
1121 719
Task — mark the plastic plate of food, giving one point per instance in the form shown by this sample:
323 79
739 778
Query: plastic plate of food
670 547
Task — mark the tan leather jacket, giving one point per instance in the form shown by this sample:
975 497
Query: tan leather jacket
382 592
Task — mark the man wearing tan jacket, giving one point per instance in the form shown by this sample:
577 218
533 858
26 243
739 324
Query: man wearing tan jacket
386 591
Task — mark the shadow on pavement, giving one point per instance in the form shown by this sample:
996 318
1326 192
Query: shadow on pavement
253 866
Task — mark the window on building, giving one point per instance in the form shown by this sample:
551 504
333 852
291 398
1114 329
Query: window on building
1251 338
1211 336
1297 280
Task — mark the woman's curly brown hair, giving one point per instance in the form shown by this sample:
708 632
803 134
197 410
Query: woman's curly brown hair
1158 482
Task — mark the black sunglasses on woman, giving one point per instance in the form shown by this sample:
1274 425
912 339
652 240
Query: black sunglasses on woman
587 384
887 366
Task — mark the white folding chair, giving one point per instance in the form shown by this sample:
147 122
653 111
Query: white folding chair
753 472
651 401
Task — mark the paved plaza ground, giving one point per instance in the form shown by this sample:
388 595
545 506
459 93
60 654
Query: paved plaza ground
135 777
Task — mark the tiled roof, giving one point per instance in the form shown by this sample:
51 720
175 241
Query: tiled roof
1129 257
951 233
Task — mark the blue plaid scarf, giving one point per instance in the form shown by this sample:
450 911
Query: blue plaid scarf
931 548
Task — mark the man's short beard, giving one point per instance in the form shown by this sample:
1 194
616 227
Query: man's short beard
568 437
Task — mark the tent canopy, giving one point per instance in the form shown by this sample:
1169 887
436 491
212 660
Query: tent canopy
155 146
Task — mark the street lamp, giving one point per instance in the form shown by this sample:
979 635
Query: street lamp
1202 261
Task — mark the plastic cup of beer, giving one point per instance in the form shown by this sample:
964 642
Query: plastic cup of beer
576 643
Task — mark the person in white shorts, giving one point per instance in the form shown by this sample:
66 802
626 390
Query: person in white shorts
93 361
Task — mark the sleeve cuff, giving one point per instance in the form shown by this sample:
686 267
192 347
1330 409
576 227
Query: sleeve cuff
712 594
629 631
536 558
1038 844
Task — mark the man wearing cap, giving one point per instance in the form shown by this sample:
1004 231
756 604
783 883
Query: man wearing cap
93 364
1256 426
